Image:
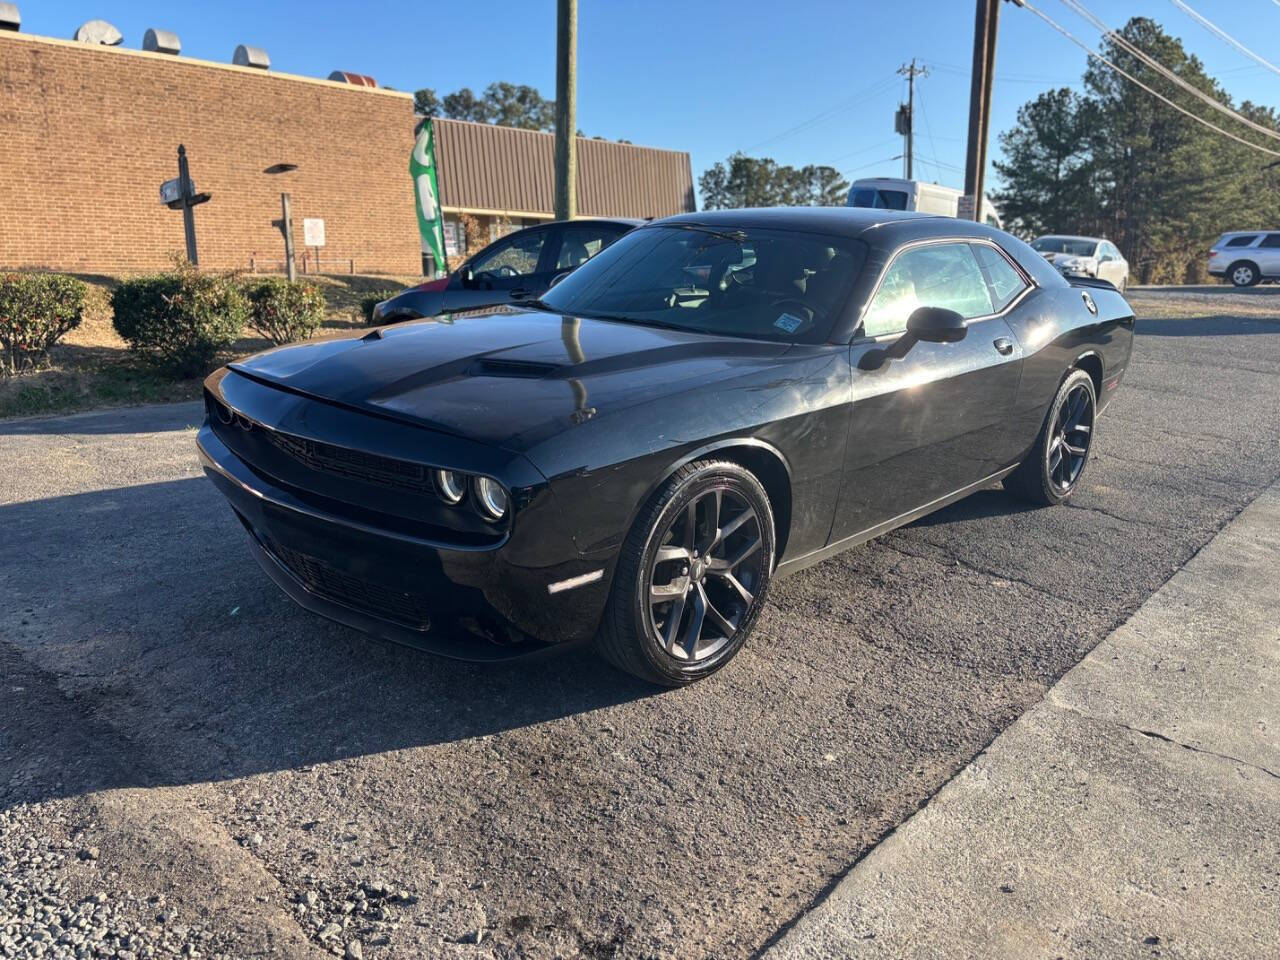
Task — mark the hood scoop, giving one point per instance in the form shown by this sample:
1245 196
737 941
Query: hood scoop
515 369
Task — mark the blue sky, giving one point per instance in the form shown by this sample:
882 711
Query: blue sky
802 81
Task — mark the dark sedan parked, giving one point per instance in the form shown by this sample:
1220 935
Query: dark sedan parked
520 266
716 400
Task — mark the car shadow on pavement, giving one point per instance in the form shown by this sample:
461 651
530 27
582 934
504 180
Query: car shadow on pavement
143 646
977 506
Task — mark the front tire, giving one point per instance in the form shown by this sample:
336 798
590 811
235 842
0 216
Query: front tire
692 575
1052 471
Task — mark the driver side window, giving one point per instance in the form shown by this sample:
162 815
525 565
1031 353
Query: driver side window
933 275
515 257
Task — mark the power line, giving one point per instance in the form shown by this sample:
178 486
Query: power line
933 147
1005 77
1222 34
862 97
854 153
1132 79
1123 42
873 163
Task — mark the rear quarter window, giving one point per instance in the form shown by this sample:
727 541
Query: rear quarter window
1241 241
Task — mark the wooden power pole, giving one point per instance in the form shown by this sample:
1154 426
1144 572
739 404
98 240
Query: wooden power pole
911 71
984 58
566 109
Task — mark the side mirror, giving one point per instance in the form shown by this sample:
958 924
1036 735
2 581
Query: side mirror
557 278
936 325
929 325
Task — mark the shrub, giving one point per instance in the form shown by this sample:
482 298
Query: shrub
180 319
371 300
282 311
36 309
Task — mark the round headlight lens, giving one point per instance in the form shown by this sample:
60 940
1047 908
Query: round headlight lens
492 498
451 486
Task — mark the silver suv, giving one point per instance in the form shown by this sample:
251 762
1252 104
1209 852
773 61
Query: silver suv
1246 256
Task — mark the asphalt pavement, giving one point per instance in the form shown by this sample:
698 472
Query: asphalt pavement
173 727
1131 813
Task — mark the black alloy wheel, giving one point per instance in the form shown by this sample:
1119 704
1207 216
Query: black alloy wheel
692 575
1068 447
1051 473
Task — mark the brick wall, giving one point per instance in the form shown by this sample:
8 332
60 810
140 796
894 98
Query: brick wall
88 133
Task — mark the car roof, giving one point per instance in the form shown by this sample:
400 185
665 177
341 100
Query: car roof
839 221
629 221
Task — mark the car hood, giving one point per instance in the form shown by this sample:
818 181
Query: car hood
510 378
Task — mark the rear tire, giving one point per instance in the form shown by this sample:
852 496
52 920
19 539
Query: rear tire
692 575
1243 273
1052 471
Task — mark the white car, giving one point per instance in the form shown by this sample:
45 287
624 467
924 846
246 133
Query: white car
1085 257
1246 256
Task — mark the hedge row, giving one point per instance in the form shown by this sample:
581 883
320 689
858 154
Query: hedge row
35 310
180 319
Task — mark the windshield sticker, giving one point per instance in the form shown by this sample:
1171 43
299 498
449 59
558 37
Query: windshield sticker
789 322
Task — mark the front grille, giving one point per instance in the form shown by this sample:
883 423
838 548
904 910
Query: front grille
353 464
325 580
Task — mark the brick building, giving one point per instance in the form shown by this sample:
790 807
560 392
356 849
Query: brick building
89 132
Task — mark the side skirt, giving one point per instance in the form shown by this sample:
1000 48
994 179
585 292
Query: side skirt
788 567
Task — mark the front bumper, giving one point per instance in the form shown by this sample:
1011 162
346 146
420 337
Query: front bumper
478 602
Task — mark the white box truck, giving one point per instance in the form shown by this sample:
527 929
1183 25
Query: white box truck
894 193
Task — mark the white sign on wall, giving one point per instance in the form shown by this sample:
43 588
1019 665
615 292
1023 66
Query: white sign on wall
313 231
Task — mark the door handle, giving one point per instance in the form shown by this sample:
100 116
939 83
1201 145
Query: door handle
1004 346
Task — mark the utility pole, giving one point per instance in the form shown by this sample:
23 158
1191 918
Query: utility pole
566 109
910 71
180 194
985 24
188 219
286 224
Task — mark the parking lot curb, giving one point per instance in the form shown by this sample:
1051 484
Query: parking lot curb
1132 812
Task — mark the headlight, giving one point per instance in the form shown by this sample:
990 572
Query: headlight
451 486
491 497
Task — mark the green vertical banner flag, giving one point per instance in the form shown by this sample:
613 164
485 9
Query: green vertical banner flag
422 167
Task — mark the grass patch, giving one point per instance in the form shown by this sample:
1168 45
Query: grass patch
91 367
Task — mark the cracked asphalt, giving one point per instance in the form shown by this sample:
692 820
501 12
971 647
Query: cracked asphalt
173 727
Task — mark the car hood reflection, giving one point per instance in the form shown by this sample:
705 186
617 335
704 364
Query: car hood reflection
511 379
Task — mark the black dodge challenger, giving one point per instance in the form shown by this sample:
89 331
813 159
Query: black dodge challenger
716 400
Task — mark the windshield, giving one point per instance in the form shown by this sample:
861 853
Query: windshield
879 199
1072 246
771 284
